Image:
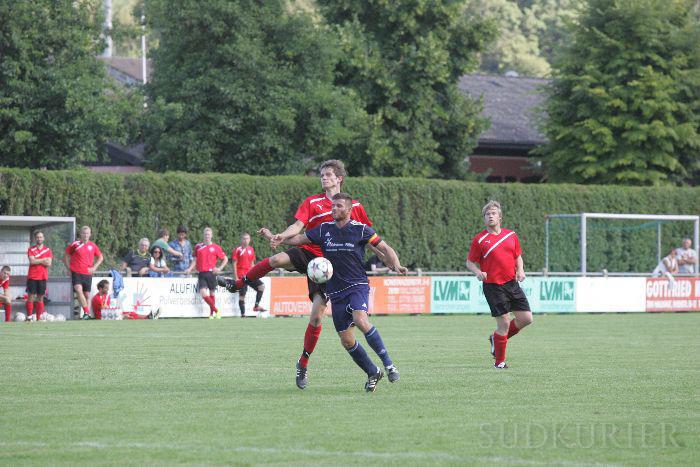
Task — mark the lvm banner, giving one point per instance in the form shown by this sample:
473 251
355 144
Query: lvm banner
454 294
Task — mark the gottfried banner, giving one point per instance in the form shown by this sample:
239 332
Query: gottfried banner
682 294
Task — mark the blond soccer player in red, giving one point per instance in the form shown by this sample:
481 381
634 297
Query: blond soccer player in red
206 255
495 257
80 261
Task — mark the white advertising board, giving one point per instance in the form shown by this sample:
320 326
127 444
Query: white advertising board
610 294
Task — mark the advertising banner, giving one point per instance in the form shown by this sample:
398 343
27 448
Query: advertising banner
550 294
174 298
399 295
454 294
682 294
290 296
610 294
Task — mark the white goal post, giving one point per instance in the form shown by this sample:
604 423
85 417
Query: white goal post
584 216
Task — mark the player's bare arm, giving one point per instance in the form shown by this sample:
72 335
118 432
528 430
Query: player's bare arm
292 230
390 258
97 264
297 240
193 265
42 261
473 267
66 261
519 269
220 267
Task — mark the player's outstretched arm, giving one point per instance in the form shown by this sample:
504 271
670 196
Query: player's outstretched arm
391 259
296 240
519 269
292 230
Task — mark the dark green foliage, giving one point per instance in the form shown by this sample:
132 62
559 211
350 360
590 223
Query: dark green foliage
624 106
403 59
244 86
57 105
429 222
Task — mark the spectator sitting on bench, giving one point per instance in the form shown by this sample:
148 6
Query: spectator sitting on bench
136 262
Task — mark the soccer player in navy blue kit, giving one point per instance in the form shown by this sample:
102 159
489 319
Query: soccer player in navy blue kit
343 243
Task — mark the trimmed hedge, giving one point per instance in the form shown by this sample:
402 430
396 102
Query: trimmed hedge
429 222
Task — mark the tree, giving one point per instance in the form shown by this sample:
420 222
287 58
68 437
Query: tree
245 86
57 105
624 106
404 59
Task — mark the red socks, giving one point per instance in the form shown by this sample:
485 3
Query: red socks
499 345
512 329
30 309
39 308
8 312
256 272
310 339
211 301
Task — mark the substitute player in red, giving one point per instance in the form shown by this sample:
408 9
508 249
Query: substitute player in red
206 255
80 261
5 297
40 258
242 259
495 258
314 211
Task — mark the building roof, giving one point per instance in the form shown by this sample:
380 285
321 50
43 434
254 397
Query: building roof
128 70
511 105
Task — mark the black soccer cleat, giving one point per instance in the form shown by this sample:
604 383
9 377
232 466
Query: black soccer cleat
372 381
493 347
392 373
227 283
302 380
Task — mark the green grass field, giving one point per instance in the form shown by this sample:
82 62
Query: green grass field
581 390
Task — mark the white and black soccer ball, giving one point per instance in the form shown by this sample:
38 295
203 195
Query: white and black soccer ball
319 270
19 317
49 317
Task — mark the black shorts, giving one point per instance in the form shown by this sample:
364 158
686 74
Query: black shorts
300 259
206 280
503 299
252 284
81 279
36 287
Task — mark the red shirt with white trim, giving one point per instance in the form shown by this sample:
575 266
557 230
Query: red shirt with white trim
39 272
82 256
99 302
207 255
496 254
5 284
244 259
316 209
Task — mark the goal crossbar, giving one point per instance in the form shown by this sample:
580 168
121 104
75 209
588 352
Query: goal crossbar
584 216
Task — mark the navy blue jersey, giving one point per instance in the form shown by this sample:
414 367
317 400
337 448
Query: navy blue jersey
345 249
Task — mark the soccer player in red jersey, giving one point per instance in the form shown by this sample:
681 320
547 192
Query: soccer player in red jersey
242 259
40 258
205 258
80 260
5 297
101 299
495 258
314 211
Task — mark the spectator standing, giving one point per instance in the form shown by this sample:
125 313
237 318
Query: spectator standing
206 255
242 259
5 297
80 260
158 267
40 258
687 257
162 241
136 262
182 245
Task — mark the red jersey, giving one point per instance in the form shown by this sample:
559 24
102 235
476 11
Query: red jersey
316 209
496 254
5 284
244 259
39 272
207 255
82 256
99 302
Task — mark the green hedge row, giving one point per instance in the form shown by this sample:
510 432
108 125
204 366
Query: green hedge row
429 222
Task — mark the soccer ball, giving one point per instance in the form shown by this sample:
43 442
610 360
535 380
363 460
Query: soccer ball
49 317
319 270
60 318
19 317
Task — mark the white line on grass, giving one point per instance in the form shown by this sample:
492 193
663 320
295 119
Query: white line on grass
414 455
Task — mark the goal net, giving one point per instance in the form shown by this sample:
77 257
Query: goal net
617 243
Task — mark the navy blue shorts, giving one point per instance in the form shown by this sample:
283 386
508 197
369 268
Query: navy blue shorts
344 303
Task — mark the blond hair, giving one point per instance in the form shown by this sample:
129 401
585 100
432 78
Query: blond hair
492 204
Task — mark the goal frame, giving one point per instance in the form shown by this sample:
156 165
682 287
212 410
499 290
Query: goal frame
583 219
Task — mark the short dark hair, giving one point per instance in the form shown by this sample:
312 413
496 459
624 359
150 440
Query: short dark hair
181 229
102 283
343 196
162 233
6 268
